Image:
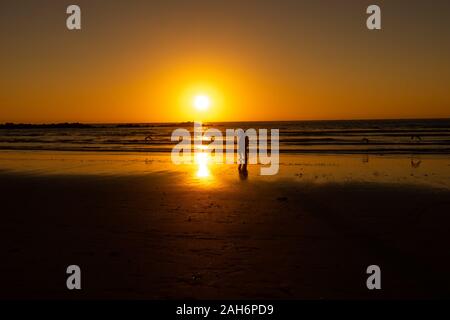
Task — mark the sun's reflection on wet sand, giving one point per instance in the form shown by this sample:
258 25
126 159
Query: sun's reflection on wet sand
201 161
204 172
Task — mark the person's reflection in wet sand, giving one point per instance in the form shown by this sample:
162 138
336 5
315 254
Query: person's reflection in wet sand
365 158
242 168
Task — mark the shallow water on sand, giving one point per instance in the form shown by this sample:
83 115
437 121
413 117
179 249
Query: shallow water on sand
427 170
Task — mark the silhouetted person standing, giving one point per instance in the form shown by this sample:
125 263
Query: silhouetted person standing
242 168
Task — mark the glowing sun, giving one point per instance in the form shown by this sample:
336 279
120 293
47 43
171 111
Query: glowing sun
202 102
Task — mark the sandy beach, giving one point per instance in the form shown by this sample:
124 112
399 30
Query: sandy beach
161 232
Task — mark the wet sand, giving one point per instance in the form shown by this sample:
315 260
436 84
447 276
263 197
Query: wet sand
155 235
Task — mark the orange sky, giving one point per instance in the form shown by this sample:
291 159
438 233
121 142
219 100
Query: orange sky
144 61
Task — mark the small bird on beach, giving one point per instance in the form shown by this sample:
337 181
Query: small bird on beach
415 164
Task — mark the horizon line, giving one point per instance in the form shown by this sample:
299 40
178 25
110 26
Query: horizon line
227 121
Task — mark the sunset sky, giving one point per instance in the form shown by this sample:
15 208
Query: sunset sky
145 61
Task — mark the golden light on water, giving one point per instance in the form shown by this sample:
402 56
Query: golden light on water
202 156
201 160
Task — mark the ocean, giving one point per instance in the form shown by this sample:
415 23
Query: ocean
298 137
